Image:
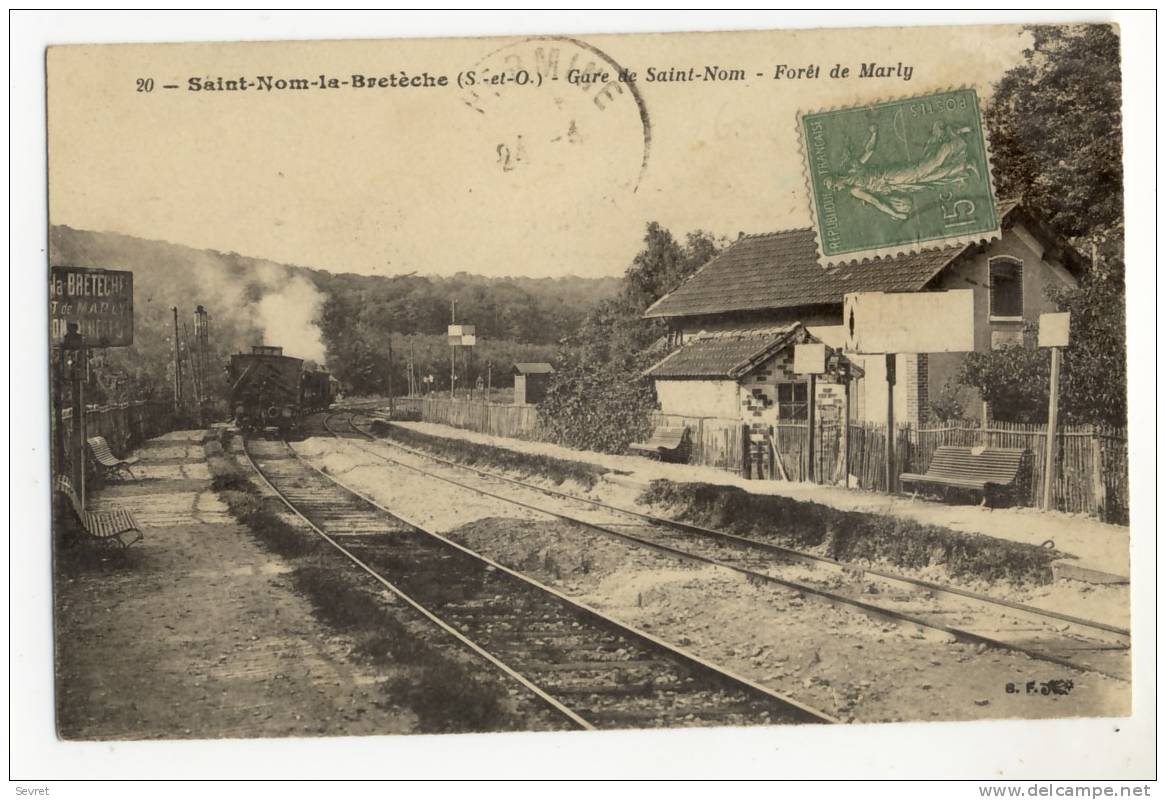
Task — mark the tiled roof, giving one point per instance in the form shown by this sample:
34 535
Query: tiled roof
723 356
781 270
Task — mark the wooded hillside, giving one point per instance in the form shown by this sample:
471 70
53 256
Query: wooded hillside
341 320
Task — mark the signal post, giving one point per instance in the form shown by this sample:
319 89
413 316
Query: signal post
890 323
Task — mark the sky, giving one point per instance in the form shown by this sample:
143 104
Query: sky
530 180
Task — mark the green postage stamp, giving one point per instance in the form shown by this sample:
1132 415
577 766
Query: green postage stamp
899 176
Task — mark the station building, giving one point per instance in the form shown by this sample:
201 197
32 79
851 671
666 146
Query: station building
733 324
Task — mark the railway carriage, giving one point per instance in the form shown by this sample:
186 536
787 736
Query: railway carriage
269 390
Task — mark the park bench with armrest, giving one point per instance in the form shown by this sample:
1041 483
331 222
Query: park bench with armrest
991 471
115 527
110 464
667 444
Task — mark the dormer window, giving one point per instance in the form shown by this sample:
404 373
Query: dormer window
1006 281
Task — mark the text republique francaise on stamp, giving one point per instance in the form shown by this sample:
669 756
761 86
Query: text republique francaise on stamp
899 176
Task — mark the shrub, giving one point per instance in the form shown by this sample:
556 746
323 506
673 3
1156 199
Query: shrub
557 470
853 535
594 406
447 698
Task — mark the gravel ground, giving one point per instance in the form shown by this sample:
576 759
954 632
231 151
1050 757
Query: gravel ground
864 671
196 633
1103 603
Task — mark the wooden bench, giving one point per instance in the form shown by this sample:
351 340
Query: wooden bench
104 528
666 444
988 470
110 464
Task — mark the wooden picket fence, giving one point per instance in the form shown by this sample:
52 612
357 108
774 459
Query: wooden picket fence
124 425
716 442
496 419
1091 471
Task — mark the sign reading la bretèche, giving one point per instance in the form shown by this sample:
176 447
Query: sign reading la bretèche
100 301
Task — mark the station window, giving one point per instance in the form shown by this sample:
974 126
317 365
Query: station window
1006 277
791 401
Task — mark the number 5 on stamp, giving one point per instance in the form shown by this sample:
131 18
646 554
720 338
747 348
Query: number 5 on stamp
899 177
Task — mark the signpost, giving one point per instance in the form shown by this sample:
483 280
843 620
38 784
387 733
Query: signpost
889 323
87 308
459 336
1053 334
99 301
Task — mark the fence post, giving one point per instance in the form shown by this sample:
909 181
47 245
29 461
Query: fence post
746 472
1051 434
770 451
1099 498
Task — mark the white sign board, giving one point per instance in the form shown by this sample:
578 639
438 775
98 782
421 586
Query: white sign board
461 336
810 359
909 322
1054 330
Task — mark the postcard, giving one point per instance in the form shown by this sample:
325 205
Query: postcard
556 383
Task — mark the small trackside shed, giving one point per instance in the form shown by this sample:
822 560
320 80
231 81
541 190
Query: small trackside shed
748 375
530 382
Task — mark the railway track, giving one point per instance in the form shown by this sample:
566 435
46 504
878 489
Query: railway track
923 605
586 667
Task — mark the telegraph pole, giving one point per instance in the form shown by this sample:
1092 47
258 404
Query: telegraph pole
452 347
58 421
202 354
890 461
74 346
412 383
390 375
177 366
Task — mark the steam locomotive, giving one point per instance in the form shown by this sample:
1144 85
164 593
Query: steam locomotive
269 390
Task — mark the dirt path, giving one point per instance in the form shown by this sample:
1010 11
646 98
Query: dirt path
196 634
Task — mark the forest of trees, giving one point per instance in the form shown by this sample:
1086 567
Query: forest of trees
343 321
516 319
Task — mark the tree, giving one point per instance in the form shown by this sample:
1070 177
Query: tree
1094 387
1055 127
598 397
1014 381
1054 123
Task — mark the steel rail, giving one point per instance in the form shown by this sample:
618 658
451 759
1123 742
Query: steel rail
836 600
721 674
903 581
432 617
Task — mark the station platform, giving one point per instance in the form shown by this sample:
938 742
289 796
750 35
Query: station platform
195 632
1099 553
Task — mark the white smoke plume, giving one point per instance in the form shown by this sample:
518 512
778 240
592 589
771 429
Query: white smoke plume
287 315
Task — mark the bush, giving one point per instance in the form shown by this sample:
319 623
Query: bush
594 406
447 698
557 470
852 535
